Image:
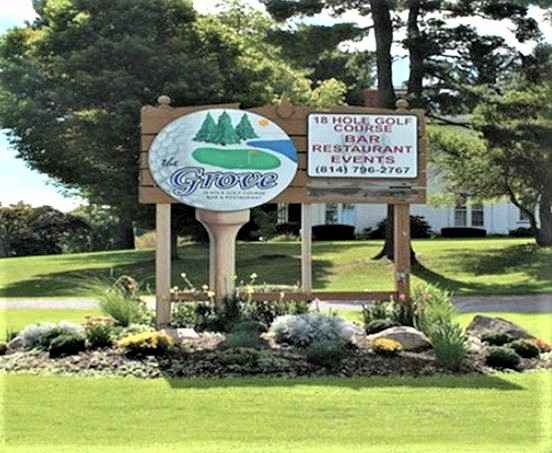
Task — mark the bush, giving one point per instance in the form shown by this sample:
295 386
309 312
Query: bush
501 357
66 344
243 339
386 347
524 348
543 345
120 299
248 326
381 309
419 229
99 332
303 330
377 325
433 307
463 232
333 232
41 335
522 232
404 312
496 338
326 353
147 343
449 343
288 228
265 312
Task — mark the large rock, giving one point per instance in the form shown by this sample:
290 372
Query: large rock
410 338
484 324
181 334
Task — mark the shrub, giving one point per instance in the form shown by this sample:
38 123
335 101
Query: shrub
496 338
147 343
122 332
120 299
377 325
243 339
449 343
3 348
381 309
248 326
10 334
66 344
522 232
203 315
524 348
463 232
326 353
303 330
99 332
543 345
41 335
266 312
288 228
433 307
386 347
404 312
333 232
419 228
502 357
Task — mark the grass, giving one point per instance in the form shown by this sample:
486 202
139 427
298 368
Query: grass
488 266
438 414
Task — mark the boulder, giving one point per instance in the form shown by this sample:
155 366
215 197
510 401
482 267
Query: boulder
181 334
15 345
481 324
410 338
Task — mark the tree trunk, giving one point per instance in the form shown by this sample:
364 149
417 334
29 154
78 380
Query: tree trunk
415 55
544 233
125 238
383 31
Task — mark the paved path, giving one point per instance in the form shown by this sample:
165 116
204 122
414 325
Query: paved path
536 303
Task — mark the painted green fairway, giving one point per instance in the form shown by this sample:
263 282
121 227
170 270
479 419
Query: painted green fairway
437 414
246 158
489 266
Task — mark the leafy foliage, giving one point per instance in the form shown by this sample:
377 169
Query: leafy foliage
99 332
303 330
377 325
40 335
66 344
496 338
419 228
148 343
326 353
524 348
243 339
386 347
502 357
449 344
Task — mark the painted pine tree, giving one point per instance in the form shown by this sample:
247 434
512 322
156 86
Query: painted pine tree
226 134
207 131
244 129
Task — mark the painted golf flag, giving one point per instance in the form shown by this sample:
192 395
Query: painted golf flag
222 159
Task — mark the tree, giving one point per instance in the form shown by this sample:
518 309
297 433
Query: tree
449 58
72 84
226 134
511 157
244 129
207 130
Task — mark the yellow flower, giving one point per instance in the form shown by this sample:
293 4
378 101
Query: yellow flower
210 294
183 274
205 287
249 289
253 276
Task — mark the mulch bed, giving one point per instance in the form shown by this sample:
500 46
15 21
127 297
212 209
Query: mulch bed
204 357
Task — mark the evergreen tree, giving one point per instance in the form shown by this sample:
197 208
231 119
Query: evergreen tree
207 131
226 134
244 129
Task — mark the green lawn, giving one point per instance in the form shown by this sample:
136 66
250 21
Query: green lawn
489 266
437 414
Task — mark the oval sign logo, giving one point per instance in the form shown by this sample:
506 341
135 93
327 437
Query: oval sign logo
222 159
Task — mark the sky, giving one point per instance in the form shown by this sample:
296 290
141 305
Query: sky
20 183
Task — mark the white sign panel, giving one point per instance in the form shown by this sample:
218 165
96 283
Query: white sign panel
222 159
350 145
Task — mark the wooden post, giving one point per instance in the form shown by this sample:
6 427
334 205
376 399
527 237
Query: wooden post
163 265
306 248
402 249
223 228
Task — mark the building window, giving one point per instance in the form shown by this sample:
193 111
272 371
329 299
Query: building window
332 214
477 219
461 212
468 215
523 217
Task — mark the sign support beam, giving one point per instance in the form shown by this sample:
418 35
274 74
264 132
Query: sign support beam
402 249
306 248
163 265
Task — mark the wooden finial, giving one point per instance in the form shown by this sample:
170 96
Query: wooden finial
285 108
401 104
164 101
